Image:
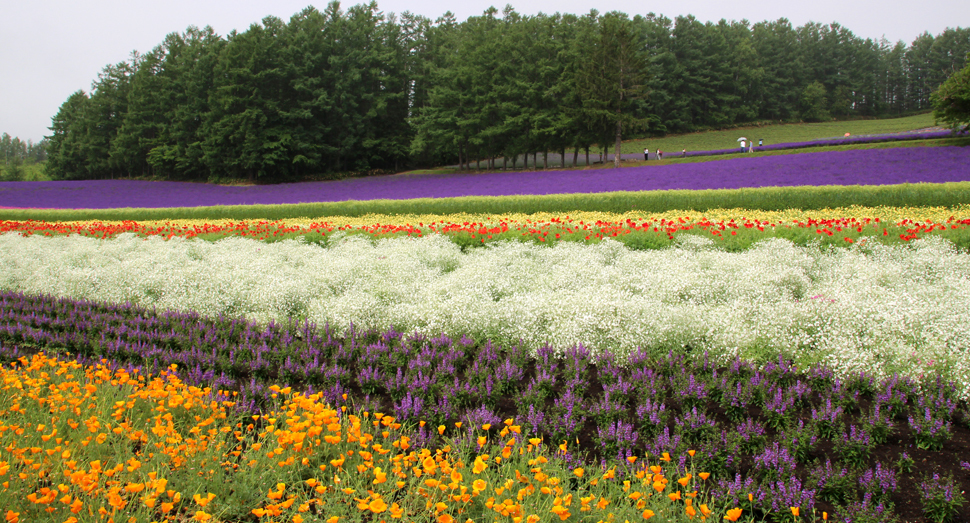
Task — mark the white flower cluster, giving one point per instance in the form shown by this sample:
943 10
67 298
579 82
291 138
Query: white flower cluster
874 307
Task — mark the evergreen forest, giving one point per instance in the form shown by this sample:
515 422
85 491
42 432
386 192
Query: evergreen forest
19 157
356 91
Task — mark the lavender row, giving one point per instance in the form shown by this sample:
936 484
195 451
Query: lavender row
855 167
790 437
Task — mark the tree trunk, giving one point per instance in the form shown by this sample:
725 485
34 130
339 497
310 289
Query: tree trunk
575 156
535 160
505 162
587 156
460 164
545 159
562 158
616 150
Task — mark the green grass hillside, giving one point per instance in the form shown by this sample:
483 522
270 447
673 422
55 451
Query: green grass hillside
771 134
778 133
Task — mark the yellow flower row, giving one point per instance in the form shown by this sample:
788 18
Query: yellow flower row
91 443
887 214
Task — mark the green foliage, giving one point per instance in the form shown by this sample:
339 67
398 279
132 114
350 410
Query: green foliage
813 103
23 172
21 160
951 102
86 127
66 158
942 498
613 77
340 91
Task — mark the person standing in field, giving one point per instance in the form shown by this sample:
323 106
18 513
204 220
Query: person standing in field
646 154
743 143
660 154
685 153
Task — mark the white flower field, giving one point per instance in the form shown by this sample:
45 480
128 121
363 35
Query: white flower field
870 307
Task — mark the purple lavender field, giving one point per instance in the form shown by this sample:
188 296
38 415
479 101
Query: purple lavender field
856 167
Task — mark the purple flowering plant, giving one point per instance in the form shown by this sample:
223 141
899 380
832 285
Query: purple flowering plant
778 496
828 419
880 482
930 430
617 437
866 510
801 439
611 408
774 462
854 446
689 390
832 484
735 399
751 436
695 426
652 416
894 396
905 463
879 422
942 498
779 407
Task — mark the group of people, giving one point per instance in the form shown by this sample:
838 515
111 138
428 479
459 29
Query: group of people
749 146
746 146
660 154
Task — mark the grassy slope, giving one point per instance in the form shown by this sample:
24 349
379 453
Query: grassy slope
780 133
672 158
772 134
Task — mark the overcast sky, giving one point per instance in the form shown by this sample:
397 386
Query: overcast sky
51 48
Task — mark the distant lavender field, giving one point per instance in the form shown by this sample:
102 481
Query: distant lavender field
857 167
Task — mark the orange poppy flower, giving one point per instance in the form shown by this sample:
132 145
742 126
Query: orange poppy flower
377 506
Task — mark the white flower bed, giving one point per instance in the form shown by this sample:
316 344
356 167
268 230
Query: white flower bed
877 308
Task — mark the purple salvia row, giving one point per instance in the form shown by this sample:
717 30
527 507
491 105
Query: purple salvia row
774 462
780 495
879 481
617 436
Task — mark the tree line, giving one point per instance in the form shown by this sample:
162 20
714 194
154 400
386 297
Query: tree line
16 154
358 90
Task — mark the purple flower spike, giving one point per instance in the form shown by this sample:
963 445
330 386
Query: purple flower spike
410 407
617 437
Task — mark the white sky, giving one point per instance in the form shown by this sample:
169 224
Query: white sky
51 48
